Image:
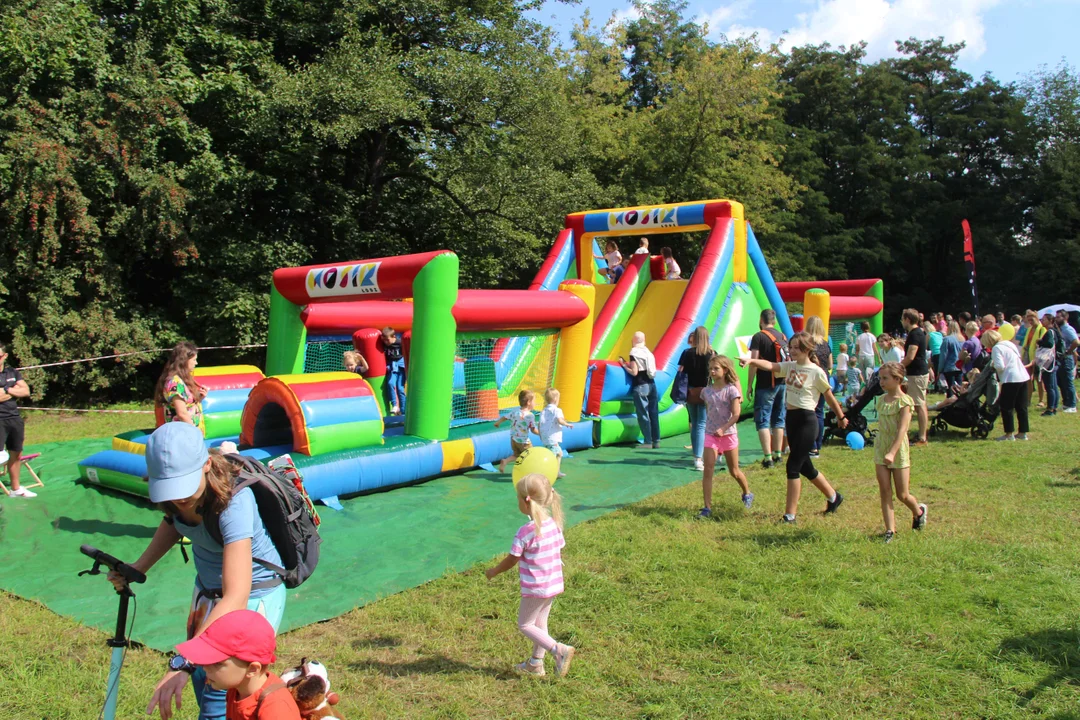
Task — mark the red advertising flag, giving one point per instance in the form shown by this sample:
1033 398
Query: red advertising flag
969 263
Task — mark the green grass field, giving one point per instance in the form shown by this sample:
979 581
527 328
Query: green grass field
976 617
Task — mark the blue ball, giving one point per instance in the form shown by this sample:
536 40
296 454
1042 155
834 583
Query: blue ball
855 441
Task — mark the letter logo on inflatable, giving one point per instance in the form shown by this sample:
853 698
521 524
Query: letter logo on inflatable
658 217
343 280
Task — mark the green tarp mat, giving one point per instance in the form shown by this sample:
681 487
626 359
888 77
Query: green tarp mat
378 545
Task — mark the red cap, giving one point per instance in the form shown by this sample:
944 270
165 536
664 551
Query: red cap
243 634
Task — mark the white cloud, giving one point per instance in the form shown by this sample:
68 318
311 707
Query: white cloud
846 22
881 22
736 31
626 15
719 18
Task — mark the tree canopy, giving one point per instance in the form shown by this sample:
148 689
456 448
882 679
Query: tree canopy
159 159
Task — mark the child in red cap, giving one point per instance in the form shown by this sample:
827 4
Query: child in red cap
235 651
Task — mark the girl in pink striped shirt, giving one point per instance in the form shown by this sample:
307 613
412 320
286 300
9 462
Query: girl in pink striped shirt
536 552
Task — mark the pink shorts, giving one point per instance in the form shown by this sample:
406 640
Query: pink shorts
721 444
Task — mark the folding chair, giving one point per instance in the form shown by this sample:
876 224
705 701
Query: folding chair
25 462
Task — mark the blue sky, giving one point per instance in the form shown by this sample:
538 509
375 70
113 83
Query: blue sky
1007 38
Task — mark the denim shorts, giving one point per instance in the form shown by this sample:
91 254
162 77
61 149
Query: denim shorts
555 448
769 408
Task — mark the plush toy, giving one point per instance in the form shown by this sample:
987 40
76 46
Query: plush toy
309 684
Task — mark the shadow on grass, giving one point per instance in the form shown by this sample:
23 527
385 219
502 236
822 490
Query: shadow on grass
651 459
101 527
1060 649
432 665
783 539
586 508
379 641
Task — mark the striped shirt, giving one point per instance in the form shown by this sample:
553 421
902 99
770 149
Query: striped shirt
540 567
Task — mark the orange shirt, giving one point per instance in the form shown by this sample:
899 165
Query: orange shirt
278 705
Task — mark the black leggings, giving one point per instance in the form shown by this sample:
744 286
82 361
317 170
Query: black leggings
802 429
1014 396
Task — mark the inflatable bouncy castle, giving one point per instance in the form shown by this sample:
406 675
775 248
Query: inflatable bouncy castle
468 353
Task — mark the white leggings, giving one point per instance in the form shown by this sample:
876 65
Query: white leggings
532 622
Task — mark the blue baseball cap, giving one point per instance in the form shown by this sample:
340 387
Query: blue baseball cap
175 455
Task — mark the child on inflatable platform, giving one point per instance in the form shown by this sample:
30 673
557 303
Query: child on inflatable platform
354 362
536 551
723 403
522 423
672 271
552 422
892 459
395 371
613 258
643 246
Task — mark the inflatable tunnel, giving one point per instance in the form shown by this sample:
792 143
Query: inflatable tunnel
314 414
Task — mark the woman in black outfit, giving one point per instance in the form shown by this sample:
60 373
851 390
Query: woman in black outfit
694 361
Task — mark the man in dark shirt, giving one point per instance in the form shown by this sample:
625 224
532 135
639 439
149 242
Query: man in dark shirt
918 370
770 410
12 433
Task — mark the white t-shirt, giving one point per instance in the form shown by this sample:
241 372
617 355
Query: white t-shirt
642 251
550 429
865 344
841 363
1007 363
805 384
613 258
645 360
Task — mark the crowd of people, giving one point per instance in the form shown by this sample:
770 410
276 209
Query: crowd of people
793 379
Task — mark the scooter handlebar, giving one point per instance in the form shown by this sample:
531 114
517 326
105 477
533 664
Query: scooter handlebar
129 573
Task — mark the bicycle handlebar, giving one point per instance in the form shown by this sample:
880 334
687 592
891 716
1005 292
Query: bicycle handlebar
129 573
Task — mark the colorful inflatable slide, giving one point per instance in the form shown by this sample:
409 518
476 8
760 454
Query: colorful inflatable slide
470 352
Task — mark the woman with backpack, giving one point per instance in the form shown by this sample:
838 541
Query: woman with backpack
195 489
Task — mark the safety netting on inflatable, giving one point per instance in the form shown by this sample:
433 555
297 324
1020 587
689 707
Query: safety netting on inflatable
490 372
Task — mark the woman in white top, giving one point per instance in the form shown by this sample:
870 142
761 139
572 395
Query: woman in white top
864 350
613 257
1014 377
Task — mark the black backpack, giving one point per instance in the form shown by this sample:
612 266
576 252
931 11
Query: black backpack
285 514
779 348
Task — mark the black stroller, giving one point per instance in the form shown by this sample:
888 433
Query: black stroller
976 410
857 422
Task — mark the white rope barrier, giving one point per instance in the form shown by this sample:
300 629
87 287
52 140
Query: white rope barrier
77 410
136 352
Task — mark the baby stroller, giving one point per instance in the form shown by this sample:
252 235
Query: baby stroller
856 420
976 410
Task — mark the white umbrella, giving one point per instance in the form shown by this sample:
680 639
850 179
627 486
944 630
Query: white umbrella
1052 309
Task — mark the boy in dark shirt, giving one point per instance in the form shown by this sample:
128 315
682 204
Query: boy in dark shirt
395 371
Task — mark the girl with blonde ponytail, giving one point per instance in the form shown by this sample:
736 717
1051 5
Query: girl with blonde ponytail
536 550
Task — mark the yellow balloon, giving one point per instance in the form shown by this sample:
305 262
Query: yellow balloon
538 460
1008 332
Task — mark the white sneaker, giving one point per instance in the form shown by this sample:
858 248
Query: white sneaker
1005 438
1022 436
23 492
699 464
1069 410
